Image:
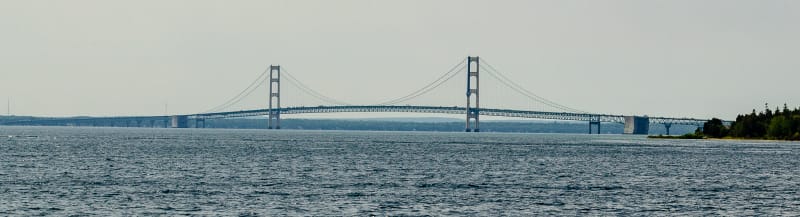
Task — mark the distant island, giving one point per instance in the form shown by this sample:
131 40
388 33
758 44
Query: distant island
780 124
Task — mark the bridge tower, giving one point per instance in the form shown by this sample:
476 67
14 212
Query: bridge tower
274 96
472 89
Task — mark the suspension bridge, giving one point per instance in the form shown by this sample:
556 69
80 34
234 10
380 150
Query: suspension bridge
473 69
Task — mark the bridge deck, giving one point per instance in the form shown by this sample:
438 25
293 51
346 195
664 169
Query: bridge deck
449 110
344 109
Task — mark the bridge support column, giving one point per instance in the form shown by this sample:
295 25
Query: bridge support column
591 123
594 121
667 126
274 96
473 113
199 123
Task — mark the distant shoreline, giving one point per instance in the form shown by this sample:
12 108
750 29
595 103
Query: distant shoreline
692 136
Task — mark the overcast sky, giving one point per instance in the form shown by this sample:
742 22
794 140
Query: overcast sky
660 58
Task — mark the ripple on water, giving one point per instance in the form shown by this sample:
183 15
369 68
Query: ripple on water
106 171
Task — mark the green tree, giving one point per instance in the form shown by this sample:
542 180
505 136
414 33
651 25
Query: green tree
779 128
795 126
714 128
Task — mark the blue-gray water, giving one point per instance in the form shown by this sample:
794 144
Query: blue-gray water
106 171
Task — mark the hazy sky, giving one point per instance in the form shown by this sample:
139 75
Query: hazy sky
661 58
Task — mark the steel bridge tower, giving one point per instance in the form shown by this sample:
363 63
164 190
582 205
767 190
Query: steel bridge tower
472 89
274 95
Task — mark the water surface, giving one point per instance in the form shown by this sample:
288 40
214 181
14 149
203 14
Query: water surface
118 171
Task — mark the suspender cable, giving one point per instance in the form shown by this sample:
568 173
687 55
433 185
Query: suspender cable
518 88
310 91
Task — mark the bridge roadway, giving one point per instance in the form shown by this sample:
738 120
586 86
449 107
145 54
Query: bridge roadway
449 110
167 121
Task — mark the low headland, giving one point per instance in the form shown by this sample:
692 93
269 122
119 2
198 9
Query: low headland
778 124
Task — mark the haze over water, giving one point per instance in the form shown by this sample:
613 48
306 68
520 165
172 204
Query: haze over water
105 171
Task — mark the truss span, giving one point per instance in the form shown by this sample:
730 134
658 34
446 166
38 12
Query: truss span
448 110
138 120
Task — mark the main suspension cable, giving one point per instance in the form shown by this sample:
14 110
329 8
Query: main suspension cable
518 88
310 91
430 86
244 93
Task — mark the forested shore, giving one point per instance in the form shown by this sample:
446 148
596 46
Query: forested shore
778 124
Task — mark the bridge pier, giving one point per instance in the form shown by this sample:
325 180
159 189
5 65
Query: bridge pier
667 126
591 123
594 120
199 123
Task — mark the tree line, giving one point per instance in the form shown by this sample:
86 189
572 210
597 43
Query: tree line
782 124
